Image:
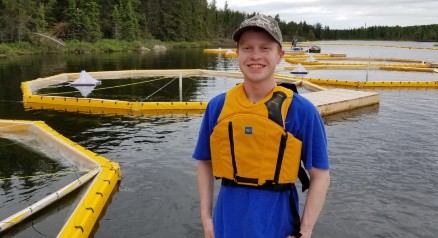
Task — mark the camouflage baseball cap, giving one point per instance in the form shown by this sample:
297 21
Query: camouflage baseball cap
266 23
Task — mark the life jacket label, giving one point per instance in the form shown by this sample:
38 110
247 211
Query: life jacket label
248 130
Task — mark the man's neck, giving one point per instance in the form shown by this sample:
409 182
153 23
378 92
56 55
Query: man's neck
257 91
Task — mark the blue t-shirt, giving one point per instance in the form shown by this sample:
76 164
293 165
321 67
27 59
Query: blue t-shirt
245 212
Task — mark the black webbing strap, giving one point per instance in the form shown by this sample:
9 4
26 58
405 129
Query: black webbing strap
304 179
266 186
302 175
231 138
290 86
239 179
296 223
280 157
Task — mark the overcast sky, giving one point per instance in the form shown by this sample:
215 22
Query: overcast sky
343 14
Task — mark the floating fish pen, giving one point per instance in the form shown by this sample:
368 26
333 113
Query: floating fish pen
304 44
351 62
101 177
302 63
32 100
337 62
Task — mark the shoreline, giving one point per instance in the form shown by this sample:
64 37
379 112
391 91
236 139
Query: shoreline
101 46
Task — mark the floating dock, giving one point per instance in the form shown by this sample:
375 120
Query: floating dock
338 100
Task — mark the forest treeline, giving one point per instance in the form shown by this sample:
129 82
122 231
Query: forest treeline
164 20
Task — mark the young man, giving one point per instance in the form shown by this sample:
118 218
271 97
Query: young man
253 138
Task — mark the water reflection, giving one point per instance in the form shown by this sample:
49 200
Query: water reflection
383 159
385 168
355 115
28 173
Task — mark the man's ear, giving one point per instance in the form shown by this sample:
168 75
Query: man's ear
281 56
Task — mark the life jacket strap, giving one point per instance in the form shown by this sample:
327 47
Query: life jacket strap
231 138
290 86
304 179
280 157
266 186
239 179
296 220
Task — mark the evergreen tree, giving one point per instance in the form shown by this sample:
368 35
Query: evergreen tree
41 23
130 23
16 19
117 23
73 18
91 30
167 20
212 20
318 31
171 20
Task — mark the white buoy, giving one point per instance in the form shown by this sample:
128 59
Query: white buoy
85 80
299 70
311 59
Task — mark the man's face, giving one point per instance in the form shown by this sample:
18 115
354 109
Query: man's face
258 55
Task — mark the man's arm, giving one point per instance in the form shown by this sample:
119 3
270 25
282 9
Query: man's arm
206 188
319 183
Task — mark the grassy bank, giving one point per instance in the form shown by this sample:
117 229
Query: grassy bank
102 46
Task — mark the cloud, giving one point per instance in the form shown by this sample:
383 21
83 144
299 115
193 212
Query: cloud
344 14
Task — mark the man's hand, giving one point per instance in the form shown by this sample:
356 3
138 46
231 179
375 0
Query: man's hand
208 228
303 235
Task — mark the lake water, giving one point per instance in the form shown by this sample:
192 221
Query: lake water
384 158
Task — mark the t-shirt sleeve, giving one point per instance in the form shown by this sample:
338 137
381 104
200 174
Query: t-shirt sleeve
209 120
306 124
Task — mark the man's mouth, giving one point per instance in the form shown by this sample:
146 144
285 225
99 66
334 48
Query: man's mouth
256 66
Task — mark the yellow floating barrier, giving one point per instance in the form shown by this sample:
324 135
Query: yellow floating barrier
303 56
303 62
343 57
333 66
216 51
407 69
29 87
231 54
103 178
377 45
296 53
114 104
362 84
111 111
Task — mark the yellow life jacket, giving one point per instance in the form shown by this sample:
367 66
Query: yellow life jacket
249 145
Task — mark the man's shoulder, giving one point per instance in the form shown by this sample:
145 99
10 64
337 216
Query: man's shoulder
302 103
216 103
218 99
214 106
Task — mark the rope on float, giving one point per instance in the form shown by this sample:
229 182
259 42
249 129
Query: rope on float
98 89
150 95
